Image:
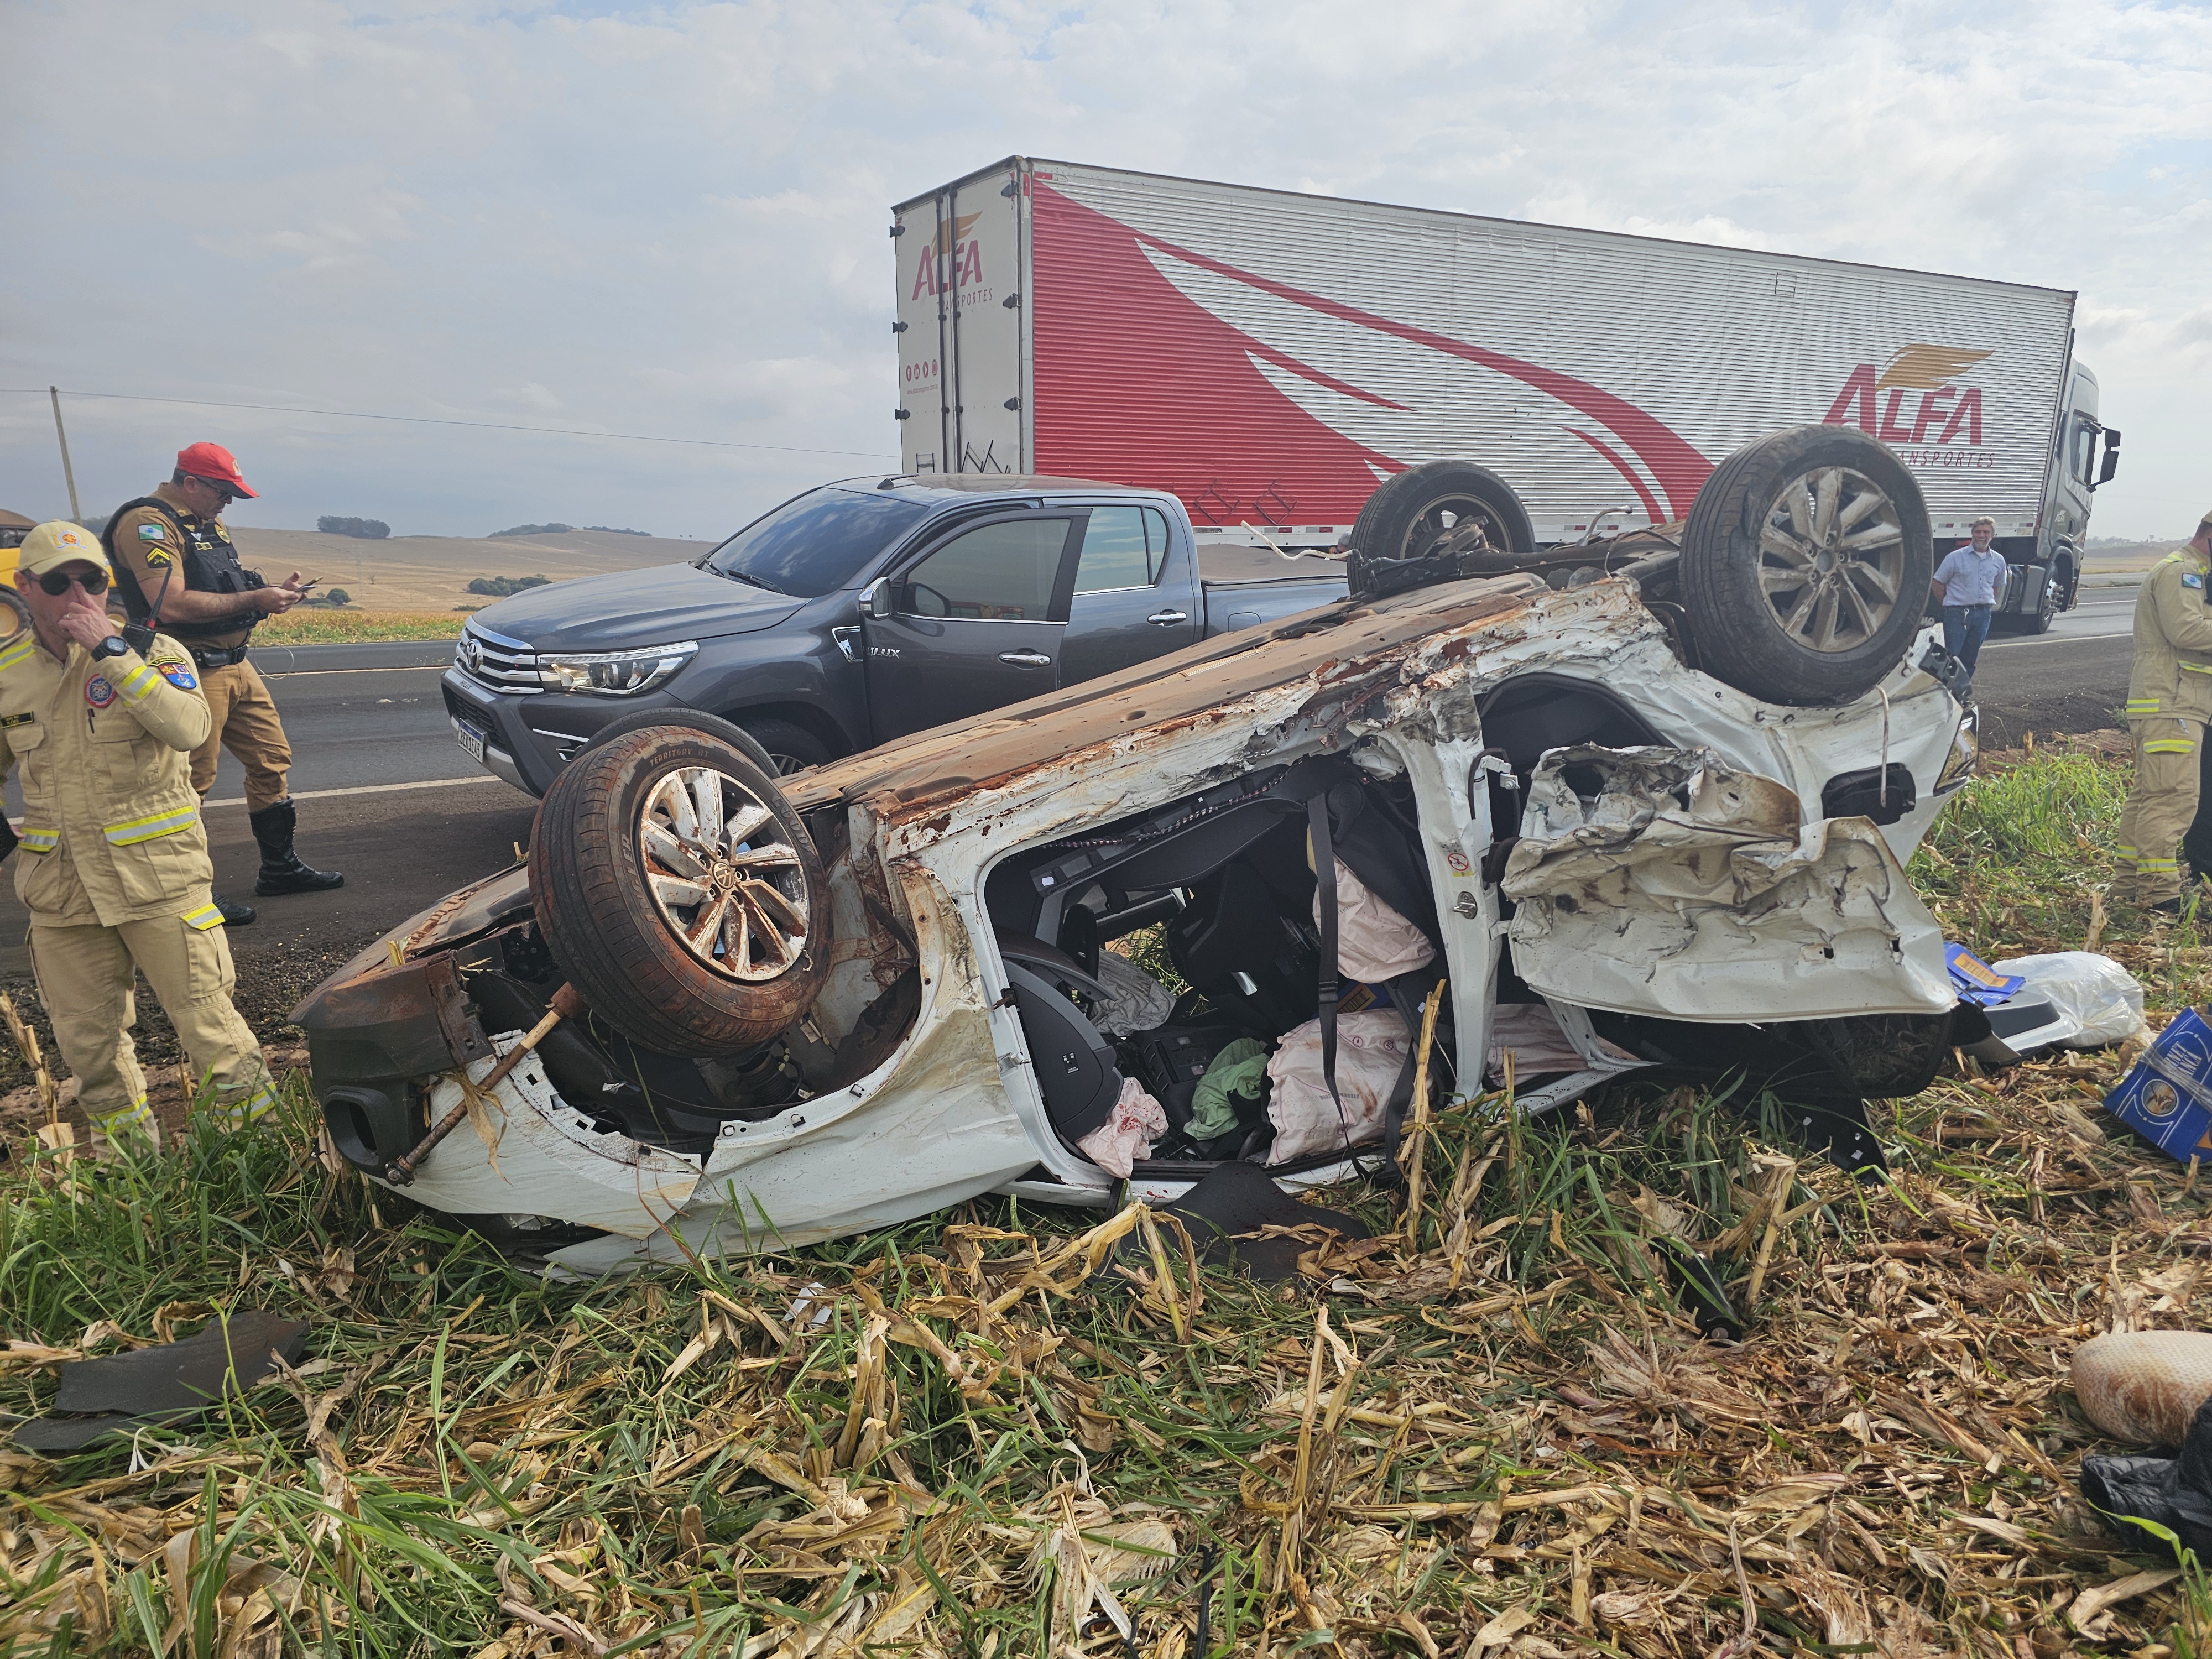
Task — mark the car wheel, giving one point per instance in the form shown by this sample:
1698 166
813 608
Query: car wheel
680 893
1409 514
685 719
1806 566
789 748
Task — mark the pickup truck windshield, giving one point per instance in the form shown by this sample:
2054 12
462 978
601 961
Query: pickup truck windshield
815 544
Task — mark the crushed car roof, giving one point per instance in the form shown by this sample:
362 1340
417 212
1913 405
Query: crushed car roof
1353 650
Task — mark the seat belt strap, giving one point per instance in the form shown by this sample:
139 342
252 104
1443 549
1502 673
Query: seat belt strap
1324 859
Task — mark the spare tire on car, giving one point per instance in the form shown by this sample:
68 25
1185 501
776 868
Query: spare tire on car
1410 514
679 892
1806 566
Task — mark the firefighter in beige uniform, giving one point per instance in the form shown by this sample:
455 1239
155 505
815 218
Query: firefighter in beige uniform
2169 701
113 862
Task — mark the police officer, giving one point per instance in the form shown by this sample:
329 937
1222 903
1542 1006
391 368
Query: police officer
172 548
2169 700
113 862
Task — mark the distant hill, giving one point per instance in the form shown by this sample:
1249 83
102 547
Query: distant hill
432 573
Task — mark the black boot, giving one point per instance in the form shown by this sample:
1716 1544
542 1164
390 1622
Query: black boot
235 914
281 869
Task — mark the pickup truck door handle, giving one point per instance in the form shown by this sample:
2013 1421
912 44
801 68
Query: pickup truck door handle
1167 618
1025 658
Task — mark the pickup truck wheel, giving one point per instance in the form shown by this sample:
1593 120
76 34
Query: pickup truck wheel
1806 566
1409 514
688 720
789 748
680 893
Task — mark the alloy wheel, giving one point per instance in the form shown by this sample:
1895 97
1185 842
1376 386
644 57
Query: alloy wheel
723 877
1832 559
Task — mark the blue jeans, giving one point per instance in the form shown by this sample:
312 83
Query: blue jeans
1965 628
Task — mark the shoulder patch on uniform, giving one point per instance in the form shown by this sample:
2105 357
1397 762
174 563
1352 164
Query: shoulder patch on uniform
27 718
177 675
152 532
2190 579
98 692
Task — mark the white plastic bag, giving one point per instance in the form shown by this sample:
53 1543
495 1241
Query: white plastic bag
1371 1050
1136 1121
1374 942
2097 1001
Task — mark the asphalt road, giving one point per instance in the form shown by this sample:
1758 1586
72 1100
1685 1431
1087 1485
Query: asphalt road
2072 679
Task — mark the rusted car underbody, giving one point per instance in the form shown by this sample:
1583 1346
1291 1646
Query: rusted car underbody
1680 874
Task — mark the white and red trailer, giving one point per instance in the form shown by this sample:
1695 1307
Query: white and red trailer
1270 357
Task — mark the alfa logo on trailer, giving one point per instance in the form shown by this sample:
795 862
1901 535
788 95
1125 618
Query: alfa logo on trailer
1944 412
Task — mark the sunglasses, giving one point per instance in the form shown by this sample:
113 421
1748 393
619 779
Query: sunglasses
58 582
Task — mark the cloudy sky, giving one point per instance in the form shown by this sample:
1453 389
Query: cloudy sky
670 220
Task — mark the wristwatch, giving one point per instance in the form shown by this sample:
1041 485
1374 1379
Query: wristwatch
112 646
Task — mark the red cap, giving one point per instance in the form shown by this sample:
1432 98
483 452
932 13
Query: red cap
215 464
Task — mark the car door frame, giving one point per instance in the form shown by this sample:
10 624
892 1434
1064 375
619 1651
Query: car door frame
889 644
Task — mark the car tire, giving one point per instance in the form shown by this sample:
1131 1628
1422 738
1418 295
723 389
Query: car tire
1409 513
1757 522
685 719
621 881
790 748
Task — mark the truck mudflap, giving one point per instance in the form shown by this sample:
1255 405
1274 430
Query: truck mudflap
1664 882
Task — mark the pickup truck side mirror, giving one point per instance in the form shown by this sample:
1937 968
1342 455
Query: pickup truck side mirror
876 602
2111 457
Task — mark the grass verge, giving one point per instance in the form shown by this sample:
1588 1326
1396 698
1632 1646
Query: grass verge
1491 1431
301 626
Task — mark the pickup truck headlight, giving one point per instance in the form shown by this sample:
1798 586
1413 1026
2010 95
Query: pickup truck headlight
614 673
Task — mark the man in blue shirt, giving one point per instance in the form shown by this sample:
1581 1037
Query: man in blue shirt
1969 582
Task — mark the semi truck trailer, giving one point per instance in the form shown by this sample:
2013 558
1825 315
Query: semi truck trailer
1270 357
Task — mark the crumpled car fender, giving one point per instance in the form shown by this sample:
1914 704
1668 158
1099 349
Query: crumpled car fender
1664 881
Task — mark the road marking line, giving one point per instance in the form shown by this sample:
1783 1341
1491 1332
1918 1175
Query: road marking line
2059 639
403 668
363 789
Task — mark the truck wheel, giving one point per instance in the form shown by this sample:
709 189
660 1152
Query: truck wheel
1410 514
680 893
2054 595
17 616
1806 565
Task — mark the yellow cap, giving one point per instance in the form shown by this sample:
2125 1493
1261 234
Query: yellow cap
53 544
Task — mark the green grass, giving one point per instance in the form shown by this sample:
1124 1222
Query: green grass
301 626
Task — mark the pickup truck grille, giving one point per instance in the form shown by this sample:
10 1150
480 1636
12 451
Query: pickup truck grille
494 660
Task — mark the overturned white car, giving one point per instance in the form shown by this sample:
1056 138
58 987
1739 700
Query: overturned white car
1642 803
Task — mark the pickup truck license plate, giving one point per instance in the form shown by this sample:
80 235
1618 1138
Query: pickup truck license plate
471 739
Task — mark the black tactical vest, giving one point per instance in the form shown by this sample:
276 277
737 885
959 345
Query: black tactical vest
208 563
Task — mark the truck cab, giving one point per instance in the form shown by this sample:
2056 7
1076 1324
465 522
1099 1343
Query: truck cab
2046 568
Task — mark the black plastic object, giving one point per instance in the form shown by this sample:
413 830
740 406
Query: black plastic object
1372 576
1238 1200
1075 1067
2176 1492
1172 1061
163 1386
1882 793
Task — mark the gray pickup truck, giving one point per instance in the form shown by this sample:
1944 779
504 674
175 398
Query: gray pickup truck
859 612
